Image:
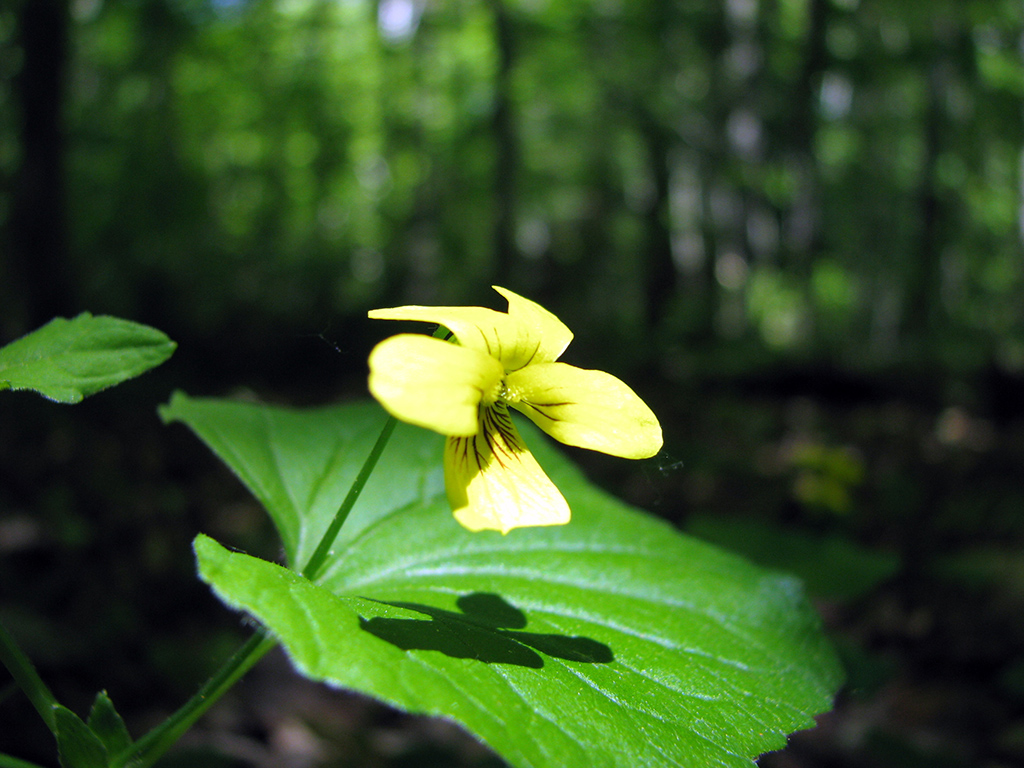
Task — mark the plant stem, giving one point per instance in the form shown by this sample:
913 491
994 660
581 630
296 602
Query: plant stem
314 567
317 562
154 744
25 675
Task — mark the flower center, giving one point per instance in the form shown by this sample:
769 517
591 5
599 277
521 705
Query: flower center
503 392
510 394
495 393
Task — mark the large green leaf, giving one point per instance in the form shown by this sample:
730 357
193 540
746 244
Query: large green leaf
612 641
67 360
300 464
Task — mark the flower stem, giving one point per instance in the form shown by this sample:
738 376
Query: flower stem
154 744
317 562
27 678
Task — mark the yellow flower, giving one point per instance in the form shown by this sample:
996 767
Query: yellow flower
464 390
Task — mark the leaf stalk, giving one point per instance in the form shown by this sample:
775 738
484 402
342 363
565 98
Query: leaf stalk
27 678
153 745
318 561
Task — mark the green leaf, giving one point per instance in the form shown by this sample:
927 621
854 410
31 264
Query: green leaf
107 724
68 360
77 745
300 464
612 641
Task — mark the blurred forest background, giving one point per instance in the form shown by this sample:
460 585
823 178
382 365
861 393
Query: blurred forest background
794 226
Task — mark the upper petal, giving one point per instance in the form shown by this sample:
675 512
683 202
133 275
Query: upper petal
431 383
526 333
588 409
537 324
493 481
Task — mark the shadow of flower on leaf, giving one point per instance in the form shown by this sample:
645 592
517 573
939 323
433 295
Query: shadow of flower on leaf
489 629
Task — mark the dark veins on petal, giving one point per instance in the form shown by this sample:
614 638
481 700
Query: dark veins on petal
461 449
539 408
496 438
497 422
533 354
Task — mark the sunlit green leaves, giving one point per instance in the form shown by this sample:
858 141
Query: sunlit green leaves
67 360
612 641
311 139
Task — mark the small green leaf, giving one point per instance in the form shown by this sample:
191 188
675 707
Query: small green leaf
68 360
106 723
77 745
611 641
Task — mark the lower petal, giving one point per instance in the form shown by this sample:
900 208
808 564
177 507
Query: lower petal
493 481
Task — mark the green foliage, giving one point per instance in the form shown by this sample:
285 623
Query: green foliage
77 744
837 182
826 477
92 745
613 640
68 360
108 726
287 156
300 464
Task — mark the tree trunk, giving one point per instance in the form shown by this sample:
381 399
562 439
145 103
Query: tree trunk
38 285
660 277
506 150
924 274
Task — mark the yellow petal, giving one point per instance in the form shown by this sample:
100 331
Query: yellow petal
588 409
431 383
493 481
525 334
539 325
